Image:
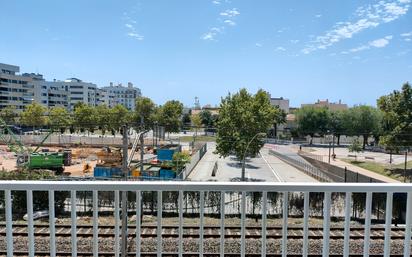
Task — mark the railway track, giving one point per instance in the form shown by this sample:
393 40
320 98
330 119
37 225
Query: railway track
170 231
103 254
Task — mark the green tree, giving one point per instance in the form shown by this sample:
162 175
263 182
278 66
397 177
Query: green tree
196 122
186 119
103 117
180 159
356 148
169 115
34 115
206 118
85 117
397 118
362 120
59 118
145 111
336 124
118 116
312 121
280 118
242 120
8 114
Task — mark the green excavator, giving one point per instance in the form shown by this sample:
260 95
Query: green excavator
28 158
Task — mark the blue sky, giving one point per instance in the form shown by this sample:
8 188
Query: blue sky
302 50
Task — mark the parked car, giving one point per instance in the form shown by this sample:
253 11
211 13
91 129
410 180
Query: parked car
37 215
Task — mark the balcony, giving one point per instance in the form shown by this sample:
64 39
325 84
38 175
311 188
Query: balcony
198 218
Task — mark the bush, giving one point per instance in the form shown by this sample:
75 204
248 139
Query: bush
40 198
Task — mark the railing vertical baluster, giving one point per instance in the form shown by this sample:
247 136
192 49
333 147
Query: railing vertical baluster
30 229
326 224
348 197
407 243
180 223
388 224
201 213
116 223
9 224
366 241
139 216
159 223
222 223
95 224
264 215
52 227
73 222
305 223
285 215
243 224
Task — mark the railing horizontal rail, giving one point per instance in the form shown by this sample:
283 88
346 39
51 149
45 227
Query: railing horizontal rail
203 186
281 196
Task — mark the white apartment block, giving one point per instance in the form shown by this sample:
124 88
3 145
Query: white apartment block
126 96
16 91
19 91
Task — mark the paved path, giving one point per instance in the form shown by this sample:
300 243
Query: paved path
265 167
342 164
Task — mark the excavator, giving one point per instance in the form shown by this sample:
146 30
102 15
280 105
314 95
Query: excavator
28 158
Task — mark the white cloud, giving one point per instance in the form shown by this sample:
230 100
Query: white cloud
408 34
230 22
230 13
294 41
258 45
280 49
212 33
135 35
318 15
378 43
131 28
368 16
217 2
227 19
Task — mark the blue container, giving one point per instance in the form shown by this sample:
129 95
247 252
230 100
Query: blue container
100 171
165 154
115 171
167 174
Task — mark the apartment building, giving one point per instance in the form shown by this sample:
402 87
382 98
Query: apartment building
280 102
330 105
19 91
16 91
118 94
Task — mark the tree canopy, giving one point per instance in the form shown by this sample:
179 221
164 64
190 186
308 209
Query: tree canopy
169 115
242 117
34 115
397 118
312 121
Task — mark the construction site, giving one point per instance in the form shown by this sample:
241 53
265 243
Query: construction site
139 155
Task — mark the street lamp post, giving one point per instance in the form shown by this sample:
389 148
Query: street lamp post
244 155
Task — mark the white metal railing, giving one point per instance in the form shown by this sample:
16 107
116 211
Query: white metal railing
9 187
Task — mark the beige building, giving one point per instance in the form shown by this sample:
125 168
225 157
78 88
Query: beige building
331 106
16 91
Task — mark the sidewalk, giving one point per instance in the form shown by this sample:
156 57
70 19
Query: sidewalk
354 168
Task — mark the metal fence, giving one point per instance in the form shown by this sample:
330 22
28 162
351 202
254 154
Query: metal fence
337 174
303 166
286 189
194 160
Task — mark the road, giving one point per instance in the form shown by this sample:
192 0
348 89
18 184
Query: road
263 168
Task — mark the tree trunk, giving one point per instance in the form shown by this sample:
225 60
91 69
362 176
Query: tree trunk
365 141
338 143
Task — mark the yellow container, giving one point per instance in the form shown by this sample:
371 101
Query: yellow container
135 173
